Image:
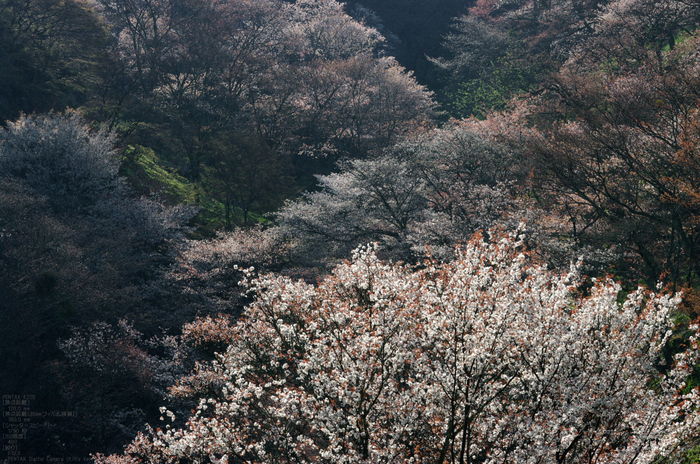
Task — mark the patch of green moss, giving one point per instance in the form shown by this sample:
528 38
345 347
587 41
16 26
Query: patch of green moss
144 170
147 174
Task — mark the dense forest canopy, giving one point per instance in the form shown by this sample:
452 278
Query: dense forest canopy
307 231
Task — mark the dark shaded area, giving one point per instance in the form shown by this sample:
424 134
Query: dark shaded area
52 56
419 27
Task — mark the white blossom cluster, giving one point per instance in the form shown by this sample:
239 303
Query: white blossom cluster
437 188
488 358
58 155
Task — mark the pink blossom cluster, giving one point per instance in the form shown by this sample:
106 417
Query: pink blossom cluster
488 358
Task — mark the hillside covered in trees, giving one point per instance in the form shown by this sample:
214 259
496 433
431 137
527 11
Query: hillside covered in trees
262 231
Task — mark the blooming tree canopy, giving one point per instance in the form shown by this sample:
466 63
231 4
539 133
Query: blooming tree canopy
436 188
487 358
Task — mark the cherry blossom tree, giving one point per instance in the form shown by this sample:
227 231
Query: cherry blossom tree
333 91
58 155
206 272
76 248
303 75
436 188
113 376
488 358
614 148
634 28
609 138
378 199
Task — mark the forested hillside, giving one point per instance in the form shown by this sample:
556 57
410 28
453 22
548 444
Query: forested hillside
305 231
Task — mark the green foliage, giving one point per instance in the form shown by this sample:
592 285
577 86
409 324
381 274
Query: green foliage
144 169
148 173
678 39
692 456
476 97
246 176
